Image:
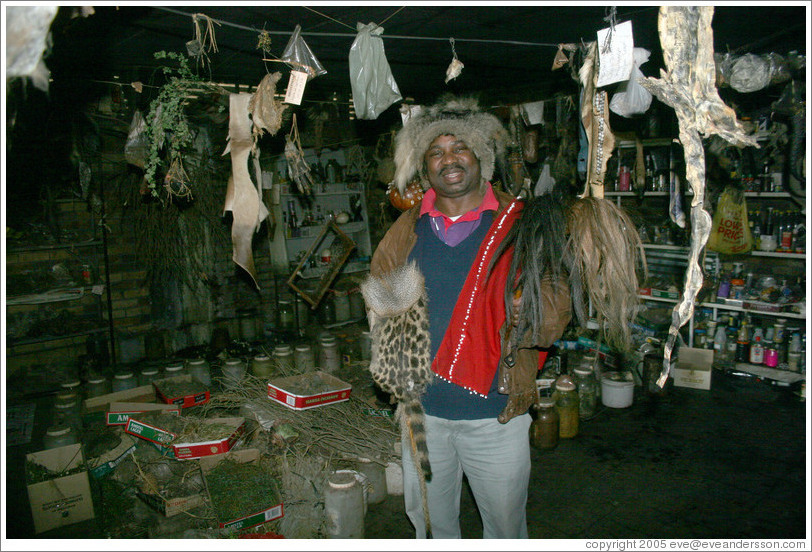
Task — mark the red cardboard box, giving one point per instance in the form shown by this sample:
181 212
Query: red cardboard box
309 390
186 400
167 442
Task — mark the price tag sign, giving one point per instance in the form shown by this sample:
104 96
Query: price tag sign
616 54
296 86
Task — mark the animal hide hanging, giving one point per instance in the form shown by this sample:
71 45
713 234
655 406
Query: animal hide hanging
688 85
243 197
595 118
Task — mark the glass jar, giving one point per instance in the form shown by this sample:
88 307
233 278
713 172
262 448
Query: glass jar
72 385
67 412
357 305
567 406
199 369
366 345
544 428
329 357
587 387
327 310
286 320
97 385
376 477
303 312
175 369
233 372
283 356
341 299
262 366
344 507
304 358
123 381
59 435
148 375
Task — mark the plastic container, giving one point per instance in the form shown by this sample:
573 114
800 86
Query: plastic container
329 357
67 412
148 375
376 477
262 366
233 372
59 435
200 369
544 428
283 356
343 507
304 358
617 389
124 380
567 406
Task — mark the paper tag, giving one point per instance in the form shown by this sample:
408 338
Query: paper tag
616 58
98 289
407 112
296 86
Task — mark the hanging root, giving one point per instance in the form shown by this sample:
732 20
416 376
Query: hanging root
605 246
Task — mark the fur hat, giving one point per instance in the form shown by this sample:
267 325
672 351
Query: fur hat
463 118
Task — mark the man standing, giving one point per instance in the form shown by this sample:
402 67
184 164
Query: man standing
476 407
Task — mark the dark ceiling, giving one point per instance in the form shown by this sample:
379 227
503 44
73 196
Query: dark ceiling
509 49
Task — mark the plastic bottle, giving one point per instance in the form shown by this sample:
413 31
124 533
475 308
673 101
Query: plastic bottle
720 343
304 358
376 477
344 507
743 343
757 348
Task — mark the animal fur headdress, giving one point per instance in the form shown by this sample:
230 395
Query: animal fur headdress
463 118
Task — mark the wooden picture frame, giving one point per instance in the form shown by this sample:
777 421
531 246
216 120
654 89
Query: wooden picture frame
341 247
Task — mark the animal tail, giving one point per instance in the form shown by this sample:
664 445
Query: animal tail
414 418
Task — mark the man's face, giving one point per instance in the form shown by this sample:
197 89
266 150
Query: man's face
451 167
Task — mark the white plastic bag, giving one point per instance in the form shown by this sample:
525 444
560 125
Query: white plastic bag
631 98
373 86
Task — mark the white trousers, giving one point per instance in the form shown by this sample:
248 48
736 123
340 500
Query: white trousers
496 459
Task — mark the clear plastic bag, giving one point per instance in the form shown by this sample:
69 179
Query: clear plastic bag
631 98
373 86
135 149
299 57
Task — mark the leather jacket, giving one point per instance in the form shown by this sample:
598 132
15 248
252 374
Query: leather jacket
517 369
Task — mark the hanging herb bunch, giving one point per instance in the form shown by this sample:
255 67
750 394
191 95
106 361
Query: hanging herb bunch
168 127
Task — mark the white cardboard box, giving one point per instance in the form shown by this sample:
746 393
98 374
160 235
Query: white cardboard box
693 368
64 500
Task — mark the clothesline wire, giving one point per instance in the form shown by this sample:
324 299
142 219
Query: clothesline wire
353 35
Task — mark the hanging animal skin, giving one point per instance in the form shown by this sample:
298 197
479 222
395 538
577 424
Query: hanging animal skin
688 85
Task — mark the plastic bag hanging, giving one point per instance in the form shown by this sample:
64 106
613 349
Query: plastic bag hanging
631 98
373 86
455 67
299 57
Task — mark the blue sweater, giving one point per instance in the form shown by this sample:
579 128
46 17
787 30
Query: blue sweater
445 269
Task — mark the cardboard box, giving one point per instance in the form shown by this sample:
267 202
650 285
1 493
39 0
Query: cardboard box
98 406
65 500
693 368
168 444
250 519
186 400
288 391
107 462
664 294
120 412
174 505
